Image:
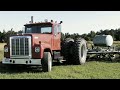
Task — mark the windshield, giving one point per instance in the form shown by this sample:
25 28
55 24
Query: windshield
38 29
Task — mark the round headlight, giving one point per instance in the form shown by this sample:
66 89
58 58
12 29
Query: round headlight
6 49
37 49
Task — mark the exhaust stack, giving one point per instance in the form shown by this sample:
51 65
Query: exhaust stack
31 19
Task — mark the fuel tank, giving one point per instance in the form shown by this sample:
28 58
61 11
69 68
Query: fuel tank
103 40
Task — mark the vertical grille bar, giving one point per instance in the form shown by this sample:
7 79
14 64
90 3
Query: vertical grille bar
24 46
15 45
19 46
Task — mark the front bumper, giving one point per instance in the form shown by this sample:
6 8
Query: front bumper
22 61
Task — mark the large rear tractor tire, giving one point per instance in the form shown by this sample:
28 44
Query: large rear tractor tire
67 50
80 51
46 62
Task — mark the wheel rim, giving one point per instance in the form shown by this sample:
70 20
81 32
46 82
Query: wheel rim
50 62
82 51
83 54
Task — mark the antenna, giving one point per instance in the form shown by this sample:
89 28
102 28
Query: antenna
31 19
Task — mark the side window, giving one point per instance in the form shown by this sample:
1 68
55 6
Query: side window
46 30
55 29
59 28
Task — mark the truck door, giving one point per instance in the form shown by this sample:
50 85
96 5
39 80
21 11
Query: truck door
57 37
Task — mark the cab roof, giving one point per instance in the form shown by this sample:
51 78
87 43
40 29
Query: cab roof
41 23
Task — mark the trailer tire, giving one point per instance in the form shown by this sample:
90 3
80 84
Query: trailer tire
46 62
67 48
80 51
112 57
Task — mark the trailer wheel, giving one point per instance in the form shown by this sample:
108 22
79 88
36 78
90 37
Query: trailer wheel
80 51
47 62
112 57
67 48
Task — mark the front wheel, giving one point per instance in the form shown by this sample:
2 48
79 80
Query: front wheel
47 62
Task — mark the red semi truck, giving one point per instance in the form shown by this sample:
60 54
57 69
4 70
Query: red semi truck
40 44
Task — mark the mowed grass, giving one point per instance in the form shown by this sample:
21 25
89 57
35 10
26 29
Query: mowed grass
90 70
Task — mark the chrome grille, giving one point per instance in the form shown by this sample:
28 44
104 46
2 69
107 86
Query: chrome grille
20 46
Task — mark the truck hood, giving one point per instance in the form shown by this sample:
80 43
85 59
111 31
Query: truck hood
40 38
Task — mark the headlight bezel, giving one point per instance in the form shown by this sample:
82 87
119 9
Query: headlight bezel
6 49
37 49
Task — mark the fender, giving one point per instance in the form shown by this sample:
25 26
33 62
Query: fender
45 47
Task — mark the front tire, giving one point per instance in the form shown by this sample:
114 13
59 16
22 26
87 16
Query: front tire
47 62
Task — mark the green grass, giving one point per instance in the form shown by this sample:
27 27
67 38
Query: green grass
90 70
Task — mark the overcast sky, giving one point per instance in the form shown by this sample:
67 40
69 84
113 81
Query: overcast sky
73 21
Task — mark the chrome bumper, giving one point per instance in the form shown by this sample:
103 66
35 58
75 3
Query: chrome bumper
22 61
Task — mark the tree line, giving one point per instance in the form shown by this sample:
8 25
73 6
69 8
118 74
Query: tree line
4 36
115 33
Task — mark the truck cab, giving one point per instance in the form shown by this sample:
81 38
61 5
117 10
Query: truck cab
39 44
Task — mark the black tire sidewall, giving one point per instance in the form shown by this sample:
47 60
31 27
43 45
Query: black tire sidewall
67 50
47 62
78 59
82 58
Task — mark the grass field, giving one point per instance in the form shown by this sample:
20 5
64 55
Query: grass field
91 70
